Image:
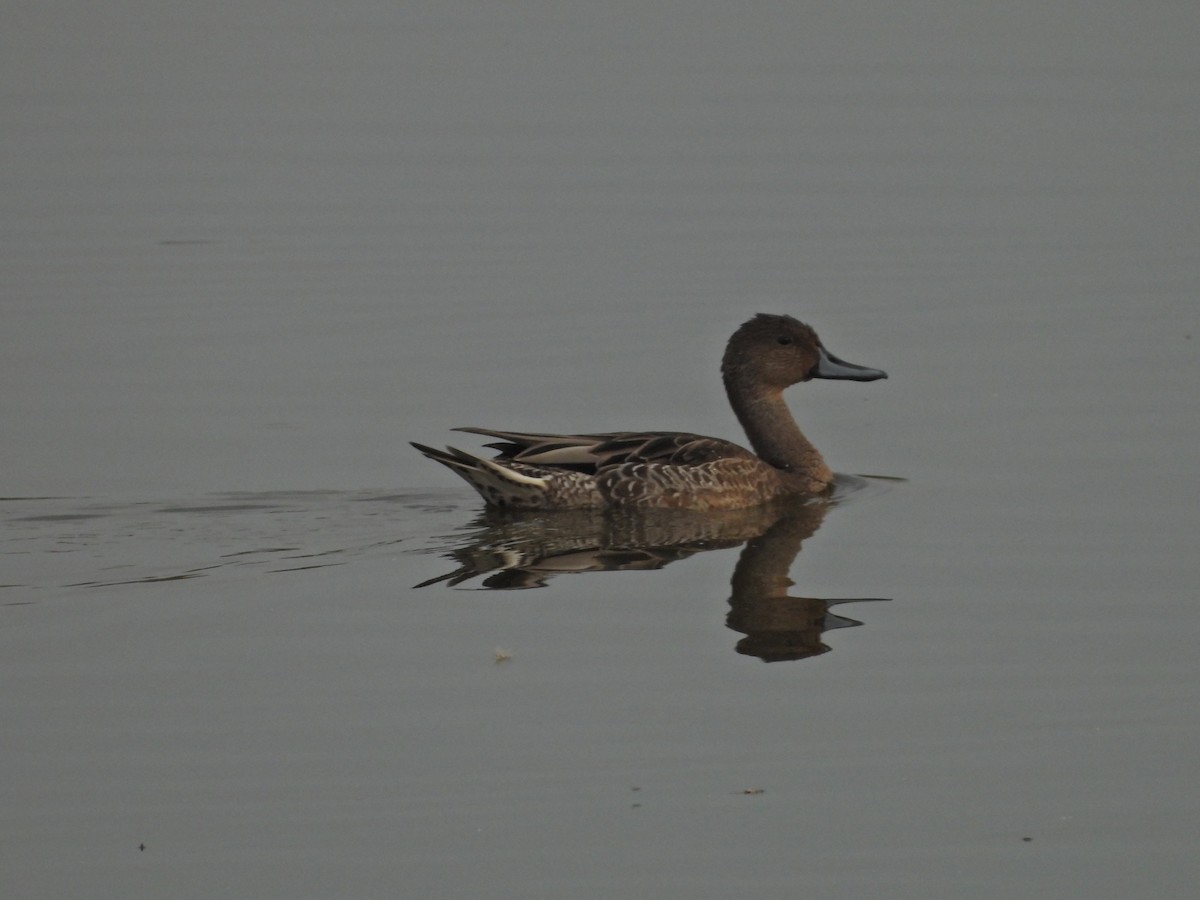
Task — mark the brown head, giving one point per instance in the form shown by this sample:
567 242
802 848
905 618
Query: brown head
773 352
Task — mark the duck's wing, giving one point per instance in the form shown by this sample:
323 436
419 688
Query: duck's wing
593 452
534 448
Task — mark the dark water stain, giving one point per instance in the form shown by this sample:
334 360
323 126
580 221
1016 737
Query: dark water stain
232 507
61 517
48 497
302 568
256 552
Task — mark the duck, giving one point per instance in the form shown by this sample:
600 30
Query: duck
668 469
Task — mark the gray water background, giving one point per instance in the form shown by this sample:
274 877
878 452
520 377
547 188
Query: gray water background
250 250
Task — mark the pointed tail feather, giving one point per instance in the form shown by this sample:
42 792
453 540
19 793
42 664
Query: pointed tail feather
496 483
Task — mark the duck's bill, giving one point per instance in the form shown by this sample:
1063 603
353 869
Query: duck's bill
829 366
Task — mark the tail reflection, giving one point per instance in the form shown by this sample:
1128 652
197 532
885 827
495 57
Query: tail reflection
515 551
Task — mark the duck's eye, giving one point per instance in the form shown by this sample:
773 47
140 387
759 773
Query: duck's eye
783 339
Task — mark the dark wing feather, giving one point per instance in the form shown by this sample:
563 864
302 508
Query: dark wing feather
592 453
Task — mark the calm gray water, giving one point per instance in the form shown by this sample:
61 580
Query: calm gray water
252 251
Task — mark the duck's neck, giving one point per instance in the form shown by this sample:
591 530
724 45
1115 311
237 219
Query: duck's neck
773 432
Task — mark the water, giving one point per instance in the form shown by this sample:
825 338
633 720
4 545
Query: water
252 252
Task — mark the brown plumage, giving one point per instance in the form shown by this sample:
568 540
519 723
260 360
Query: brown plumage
672 469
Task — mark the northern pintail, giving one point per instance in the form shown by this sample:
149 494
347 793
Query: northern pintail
671 469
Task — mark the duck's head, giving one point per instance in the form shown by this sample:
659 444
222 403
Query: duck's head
776 351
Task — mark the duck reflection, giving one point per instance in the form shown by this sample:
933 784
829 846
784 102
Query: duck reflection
776 625
520 550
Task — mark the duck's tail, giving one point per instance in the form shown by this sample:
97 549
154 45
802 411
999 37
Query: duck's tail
498 484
